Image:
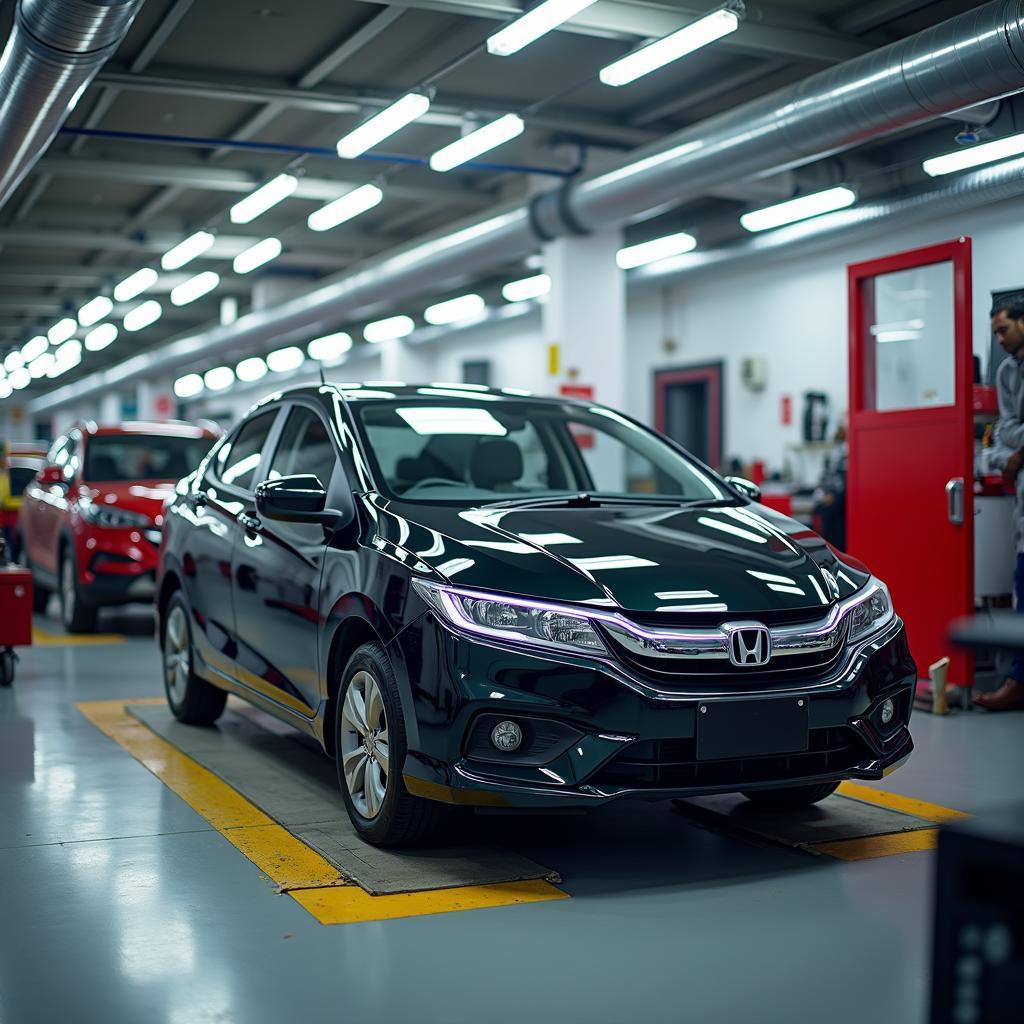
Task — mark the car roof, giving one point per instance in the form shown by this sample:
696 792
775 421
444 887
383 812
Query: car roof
166 428
375 391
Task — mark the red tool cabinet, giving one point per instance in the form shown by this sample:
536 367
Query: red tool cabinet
15 606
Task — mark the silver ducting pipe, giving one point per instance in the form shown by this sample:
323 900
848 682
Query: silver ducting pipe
971 58
965 192
55 49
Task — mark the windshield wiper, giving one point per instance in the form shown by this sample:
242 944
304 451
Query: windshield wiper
585 499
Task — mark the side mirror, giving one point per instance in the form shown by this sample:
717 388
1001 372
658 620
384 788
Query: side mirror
746 487
50 475
295 499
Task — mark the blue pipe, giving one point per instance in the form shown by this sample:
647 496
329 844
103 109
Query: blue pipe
203 142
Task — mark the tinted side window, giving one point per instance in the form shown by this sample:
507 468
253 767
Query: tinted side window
238 460
305 447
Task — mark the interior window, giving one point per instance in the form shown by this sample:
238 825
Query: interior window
305 448
238 460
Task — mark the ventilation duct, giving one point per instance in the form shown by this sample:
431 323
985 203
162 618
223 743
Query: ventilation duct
55 49
974 57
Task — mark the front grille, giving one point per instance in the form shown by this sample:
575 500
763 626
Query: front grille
673 764
781 668
702 620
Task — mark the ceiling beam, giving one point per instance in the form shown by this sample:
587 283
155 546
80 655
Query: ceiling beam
763 32
447 110
207 177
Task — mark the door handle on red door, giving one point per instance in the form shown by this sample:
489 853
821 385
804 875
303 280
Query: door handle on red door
955 500
249 523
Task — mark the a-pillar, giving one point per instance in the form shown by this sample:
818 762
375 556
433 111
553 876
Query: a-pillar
584 318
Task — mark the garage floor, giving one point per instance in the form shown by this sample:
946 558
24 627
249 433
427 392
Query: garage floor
121 902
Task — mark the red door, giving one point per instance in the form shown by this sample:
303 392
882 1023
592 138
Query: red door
910 502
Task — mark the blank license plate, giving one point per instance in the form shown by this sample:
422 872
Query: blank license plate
750 728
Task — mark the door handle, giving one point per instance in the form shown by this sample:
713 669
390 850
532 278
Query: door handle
955 500
250 523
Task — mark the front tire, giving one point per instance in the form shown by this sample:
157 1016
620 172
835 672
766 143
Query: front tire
77 615
370 746
192 700
791 797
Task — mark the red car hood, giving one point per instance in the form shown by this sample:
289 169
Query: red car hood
147 496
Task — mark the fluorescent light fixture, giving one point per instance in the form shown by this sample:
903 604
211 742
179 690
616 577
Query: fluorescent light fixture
94 311
68 356
188 386
527 288
388 329
33 348
256 255
534 24
285 359
974 156
143 315
330 348
465 307
5 389
266 196
251 369
885 336
187 250
194 288
800 208
484 139
384 124
100 337
62 330
40 366
20 378
14 360
428 420
350 205
219 378
654 250
135 284
664 51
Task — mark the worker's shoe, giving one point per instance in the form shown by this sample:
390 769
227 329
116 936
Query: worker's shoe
1009 697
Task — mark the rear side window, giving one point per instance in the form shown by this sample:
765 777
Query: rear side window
239 458
305 447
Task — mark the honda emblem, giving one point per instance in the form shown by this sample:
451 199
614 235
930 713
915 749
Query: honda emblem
750 646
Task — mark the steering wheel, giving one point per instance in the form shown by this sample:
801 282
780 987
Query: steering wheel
434 481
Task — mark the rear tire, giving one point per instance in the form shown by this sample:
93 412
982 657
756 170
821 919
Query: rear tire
791 797
370 748
77 615
192 700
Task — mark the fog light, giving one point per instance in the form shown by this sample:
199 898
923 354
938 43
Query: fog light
507 736
888 711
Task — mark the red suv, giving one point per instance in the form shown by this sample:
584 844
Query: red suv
91 520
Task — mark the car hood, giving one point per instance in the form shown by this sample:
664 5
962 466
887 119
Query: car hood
735 559
147 496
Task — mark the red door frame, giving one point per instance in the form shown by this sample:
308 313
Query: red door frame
862 394
709 373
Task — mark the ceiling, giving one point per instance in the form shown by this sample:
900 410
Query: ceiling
257 87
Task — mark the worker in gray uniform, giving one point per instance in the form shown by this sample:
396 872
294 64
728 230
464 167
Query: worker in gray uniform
1008 327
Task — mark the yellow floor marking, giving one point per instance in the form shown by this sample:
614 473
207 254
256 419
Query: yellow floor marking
312 881
906 804
870 847
45 639
342 906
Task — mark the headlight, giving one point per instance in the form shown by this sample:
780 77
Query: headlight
514 619
112 517
871 613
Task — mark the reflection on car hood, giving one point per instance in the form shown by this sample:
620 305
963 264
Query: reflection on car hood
147 498
742 559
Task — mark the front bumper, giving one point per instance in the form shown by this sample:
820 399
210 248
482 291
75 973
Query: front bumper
116 566
624 742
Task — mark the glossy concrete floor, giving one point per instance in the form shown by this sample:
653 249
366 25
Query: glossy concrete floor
120 903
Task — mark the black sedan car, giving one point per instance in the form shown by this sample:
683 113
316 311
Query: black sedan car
472 596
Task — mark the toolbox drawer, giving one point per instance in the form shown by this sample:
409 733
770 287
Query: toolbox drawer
15 606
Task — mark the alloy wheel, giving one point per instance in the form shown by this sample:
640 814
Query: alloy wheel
365 749
176 655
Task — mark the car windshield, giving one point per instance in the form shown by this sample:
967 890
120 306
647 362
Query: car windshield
488 449
112 458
